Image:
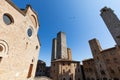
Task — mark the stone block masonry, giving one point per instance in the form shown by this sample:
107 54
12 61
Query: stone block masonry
19 43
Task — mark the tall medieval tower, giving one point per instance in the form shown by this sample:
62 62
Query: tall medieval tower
112 23
69 52
61 46
54 49
62 65
95 47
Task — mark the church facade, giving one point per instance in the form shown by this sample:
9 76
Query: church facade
19 43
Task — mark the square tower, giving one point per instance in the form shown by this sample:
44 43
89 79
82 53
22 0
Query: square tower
95 47
69 52
112 23
54 49
61 46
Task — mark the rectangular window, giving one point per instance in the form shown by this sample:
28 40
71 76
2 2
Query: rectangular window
108 61
0 59
115 60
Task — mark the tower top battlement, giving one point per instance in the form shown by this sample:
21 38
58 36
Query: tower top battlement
105 9
59 33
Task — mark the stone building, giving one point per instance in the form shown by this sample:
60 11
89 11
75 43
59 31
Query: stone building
54 49
61 46
62 65
47 73
107 62
41 68
69 52
19 44
65 70
112 23
90 69
111 58
42 78
101 68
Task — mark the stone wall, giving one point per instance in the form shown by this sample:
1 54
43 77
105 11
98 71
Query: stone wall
19 44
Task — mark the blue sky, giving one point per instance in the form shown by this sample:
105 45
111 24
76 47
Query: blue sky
79 19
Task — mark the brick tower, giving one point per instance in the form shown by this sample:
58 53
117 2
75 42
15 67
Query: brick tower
112 23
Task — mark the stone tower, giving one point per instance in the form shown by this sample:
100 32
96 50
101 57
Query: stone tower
54 49
69 52
61 46
112 23
62 65
98 59
95 46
